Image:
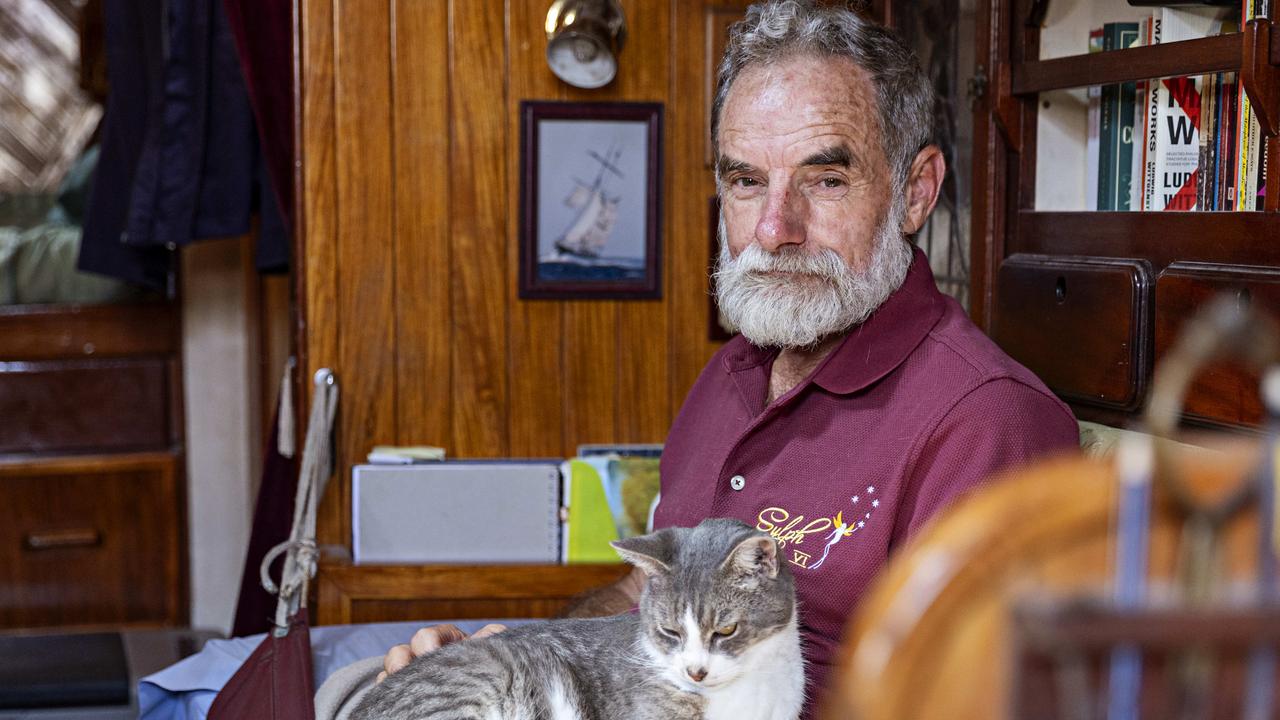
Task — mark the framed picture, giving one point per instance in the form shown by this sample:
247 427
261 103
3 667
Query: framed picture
590 200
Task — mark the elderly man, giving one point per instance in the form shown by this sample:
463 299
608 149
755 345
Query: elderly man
858 400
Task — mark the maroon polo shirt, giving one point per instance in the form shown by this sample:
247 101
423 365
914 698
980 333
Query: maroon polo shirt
915 407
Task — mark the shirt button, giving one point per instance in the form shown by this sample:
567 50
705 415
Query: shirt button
737 482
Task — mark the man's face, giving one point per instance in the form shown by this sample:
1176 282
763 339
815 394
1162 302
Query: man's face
811 225
801 162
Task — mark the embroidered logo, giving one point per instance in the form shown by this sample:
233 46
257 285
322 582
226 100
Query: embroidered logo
792 529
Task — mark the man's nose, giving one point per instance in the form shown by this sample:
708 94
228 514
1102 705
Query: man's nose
782 222
696 673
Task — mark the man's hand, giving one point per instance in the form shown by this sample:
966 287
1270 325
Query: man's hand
429 639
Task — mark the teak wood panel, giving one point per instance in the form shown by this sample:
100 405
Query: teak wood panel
410 147
376 593
1099 310
85 405
92 541
1223 391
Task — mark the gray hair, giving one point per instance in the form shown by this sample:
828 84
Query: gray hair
780 29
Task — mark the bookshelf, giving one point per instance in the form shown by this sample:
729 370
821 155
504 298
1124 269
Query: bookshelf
1091 300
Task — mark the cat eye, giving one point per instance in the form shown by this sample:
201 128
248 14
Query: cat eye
673 634
727 630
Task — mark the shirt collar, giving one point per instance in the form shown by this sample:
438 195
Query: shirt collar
872 349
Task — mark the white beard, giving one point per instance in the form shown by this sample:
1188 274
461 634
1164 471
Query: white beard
775 311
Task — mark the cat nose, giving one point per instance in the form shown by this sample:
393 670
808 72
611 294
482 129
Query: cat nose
697 673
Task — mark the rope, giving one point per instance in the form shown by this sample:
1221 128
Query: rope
300 549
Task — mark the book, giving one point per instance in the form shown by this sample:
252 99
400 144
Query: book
1175 114
1151 121
404 454
1248 136
1092 193
1137 113
1116 127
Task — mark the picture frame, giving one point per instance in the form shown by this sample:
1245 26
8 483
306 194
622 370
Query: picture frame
590 200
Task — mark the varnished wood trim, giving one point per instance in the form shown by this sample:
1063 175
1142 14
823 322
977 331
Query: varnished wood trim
1220 53
41 332
1162 238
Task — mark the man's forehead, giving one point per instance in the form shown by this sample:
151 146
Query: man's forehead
804 105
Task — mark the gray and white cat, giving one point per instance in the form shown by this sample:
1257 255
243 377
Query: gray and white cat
716 638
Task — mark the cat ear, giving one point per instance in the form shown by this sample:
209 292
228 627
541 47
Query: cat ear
757 555
651 553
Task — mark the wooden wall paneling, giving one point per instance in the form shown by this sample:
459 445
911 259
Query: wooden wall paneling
589 384
317 243
691 184
535 423
478 208
366 292
643 369
420 92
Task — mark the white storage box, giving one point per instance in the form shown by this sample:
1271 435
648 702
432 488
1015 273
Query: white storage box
456 512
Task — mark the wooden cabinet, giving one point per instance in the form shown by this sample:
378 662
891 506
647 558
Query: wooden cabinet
1091 300
380 593
92 508
90 540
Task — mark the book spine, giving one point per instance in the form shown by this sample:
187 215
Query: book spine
1127 36
1227 132
1107 113
1094 193
1138 114
1204 170
1151 124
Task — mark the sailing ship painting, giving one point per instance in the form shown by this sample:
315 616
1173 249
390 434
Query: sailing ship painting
592 202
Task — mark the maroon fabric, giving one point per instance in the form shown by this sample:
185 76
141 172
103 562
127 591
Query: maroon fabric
275 682
256 608
264 41
915 407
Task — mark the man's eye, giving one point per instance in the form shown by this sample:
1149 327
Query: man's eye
746 182
832 182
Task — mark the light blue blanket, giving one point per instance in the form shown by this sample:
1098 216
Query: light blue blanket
185 690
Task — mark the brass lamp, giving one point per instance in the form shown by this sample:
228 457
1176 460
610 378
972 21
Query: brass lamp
583 41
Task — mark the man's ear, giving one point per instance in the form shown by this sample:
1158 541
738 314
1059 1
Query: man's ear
652 553
757 555
924 182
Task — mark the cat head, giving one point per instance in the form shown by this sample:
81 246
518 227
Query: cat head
714 593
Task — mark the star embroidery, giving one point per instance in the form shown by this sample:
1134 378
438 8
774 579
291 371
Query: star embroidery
867 516
875 503
860 523
855 499
871 489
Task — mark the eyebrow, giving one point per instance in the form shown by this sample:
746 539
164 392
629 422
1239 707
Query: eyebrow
837 155
725 166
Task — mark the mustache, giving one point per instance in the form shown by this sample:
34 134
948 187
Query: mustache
754 262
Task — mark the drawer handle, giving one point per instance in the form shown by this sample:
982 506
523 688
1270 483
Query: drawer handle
54 539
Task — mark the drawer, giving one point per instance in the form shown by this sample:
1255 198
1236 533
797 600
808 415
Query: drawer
90 541
59 406
1224 392
1081 324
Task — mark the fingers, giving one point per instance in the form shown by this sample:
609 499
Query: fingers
435 637
426 640
381 676
487 630
397 657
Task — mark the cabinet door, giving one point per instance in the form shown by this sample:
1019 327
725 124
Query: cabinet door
1225 392
1081 324
91 541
